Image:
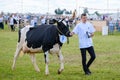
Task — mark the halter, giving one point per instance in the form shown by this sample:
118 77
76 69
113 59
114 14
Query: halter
61 31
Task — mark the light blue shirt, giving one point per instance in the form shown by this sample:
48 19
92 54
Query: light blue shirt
80 30
11 21
111 23
1 19
32 23
43 21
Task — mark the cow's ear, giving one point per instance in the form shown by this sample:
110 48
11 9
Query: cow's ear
55 21
63 19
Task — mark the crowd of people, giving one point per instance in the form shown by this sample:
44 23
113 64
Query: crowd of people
113 25
16 20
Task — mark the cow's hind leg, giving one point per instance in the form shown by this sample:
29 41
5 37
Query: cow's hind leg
33 59
46 55
18 49
60 56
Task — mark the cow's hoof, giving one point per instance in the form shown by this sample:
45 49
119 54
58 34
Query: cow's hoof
13 68
47 74
60 71
37 70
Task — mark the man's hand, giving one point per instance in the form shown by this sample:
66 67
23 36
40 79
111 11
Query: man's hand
72 33
92 34
89 34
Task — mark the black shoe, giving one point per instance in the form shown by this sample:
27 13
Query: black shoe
87 73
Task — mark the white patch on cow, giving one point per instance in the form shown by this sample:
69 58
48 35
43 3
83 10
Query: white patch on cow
36 50
47 62
64 23
31 50
59 20
61 62
55 49
29 26
26 49
23 33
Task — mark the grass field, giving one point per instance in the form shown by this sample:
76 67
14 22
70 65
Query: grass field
105 67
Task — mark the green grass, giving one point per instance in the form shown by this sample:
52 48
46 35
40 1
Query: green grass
105 67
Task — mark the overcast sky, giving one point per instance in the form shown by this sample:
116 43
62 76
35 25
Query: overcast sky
41 6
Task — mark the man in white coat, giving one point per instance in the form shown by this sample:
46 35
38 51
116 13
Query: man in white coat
85 32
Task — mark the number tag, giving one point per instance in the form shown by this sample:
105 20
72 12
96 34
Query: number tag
63 38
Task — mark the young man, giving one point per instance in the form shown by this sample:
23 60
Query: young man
85 32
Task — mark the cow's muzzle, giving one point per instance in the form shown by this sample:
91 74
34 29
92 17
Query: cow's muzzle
68 34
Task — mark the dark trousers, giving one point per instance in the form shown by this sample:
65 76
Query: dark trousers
91 52
1 25
12 27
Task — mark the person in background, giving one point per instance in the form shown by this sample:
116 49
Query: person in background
35 21
15 19
85 32
11 23
32 22
43 20
117 25
6 19
1 22
111 25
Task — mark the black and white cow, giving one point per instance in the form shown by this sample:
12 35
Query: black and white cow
43 38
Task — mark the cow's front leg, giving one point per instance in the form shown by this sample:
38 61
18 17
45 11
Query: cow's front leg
46 55
33 59
60 56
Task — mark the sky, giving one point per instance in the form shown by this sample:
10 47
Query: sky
44 6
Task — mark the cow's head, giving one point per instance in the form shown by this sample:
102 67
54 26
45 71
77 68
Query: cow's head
62 27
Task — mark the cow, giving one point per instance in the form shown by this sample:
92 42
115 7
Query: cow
42 39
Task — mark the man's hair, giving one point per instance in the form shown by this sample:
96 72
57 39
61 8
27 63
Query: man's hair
83 14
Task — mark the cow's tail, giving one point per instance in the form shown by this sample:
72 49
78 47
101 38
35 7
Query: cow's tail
19 35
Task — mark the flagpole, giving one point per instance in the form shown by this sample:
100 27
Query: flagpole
76 6
21 6
108 6
48 6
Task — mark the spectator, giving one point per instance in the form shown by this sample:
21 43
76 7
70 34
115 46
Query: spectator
117 25
11 22
6 19
15 19
43 20
111 25
35 21
1 22
32 22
